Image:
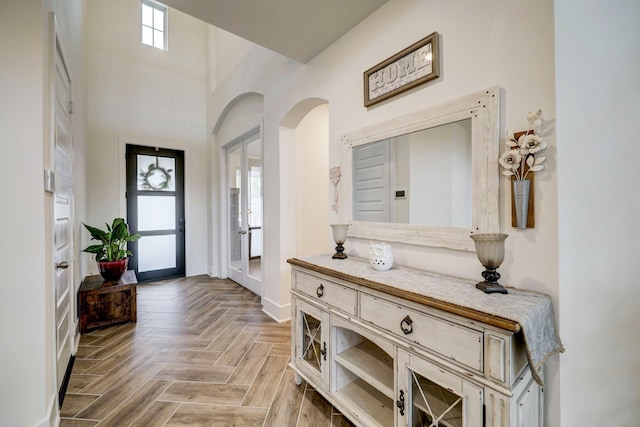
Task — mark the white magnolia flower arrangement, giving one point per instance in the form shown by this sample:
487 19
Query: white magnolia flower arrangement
524 148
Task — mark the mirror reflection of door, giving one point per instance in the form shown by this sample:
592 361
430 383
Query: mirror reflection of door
372 182
244 220
155 209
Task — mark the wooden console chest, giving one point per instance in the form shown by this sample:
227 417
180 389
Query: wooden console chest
387 355
107 303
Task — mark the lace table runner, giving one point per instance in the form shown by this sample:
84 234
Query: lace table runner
532 311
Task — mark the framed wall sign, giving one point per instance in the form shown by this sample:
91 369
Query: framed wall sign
412 67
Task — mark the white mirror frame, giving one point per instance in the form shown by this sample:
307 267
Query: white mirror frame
483 108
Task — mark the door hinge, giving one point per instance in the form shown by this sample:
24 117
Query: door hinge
49 181
70 107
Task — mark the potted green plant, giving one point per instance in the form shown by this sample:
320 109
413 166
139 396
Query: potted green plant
111 254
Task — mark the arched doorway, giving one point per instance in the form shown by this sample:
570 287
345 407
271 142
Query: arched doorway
237 156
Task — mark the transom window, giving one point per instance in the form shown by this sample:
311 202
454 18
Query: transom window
154 24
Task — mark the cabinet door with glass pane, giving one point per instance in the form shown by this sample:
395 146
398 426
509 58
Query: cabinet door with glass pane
311 341
431 396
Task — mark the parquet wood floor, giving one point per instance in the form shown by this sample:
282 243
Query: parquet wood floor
201 354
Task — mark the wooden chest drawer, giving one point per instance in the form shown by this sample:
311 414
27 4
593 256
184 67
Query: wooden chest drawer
338 296
461 344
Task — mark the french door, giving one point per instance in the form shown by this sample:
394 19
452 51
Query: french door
244 218
155 209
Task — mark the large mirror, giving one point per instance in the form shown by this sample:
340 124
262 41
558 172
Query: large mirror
427 178
420 178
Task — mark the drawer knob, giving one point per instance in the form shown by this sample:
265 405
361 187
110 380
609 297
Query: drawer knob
406 325
320 291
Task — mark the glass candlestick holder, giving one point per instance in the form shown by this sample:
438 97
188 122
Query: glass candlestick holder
490 252
339 236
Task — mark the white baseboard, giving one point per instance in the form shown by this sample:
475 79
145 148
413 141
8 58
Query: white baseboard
279 313
75 337
53 420
213 272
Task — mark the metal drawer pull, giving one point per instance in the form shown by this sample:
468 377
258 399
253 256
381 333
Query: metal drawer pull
320 290
62 265
406 325
400 402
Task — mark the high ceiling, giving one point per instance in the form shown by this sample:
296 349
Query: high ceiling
297 29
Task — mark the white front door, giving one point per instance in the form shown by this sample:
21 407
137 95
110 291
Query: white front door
244 218
63 219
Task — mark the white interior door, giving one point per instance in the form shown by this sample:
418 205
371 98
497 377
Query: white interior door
244 215
372 182
63 219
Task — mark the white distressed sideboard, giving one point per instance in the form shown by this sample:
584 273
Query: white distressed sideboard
387 354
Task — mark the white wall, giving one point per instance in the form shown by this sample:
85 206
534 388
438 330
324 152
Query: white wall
440 180
27 355
313 234
483 44
223 44
25 363
597 97
146 96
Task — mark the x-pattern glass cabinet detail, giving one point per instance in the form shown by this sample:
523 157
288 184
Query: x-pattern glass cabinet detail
312 346
434 397
311 341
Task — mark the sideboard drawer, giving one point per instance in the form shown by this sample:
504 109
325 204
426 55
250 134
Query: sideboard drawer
339 296
461 344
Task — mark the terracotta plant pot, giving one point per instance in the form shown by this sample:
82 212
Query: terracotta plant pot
111 271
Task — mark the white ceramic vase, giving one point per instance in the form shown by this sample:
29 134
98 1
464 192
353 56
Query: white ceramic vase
380 256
